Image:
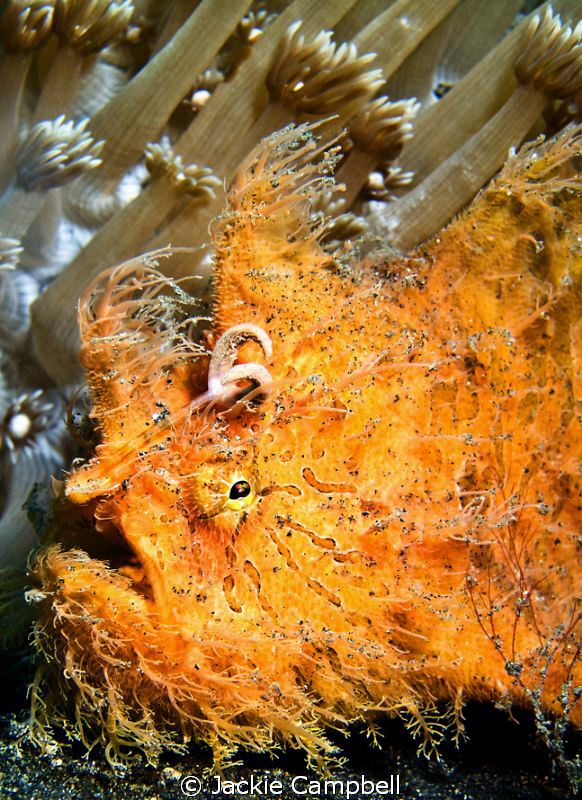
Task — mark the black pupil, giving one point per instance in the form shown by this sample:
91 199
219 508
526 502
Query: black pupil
239 489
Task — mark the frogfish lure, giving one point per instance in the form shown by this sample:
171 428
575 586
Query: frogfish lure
361 495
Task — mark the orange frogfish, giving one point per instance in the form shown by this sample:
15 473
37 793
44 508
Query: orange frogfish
361 494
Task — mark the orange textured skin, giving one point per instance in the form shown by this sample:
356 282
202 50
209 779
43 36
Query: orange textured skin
415 472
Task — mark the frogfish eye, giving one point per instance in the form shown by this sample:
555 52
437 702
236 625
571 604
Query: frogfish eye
240 495
239 490
216 488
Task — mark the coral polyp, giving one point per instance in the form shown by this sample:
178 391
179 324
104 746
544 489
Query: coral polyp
411 467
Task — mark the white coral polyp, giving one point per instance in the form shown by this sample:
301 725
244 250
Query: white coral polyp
54 153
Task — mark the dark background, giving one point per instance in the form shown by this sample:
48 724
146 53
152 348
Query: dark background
502 759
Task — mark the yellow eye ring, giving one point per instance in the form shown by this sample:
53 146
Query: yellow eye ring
214 494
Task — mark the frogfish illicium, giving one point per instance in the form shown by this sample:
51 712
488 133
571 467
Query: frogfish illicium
361 494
